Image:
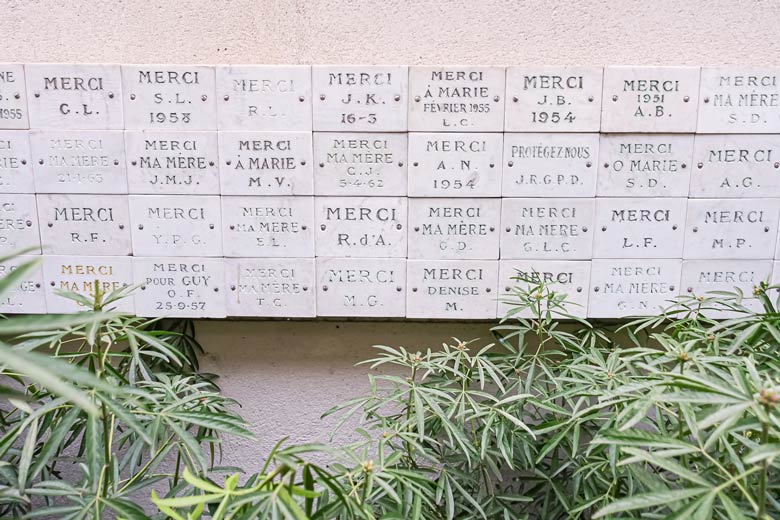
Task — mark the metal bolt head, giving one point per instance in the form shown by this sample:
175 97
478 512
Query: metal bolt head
606 165
507 289
232 227
304 227
17 96
579 289
116 162
121 226
37 286
50 224
415 163
232 287
496 99
24 161
510 164
706 100
398 226
110 95
603 228
40 161
700 166
683 166
614 98
398 288
397 97
686 99
508 229
584 229
325 288
414 289
211 226
588 164
766 229
674 227
52 284
301 99
226 98
134 163
211 163
515 99
596 289
417 98
322 165
204 97
216 289
29 223
322 227
590 99
37 94
303 162
140 226
695 230
322 97
132 97
492 229
228 162
417 228
305 287
689 289
671 288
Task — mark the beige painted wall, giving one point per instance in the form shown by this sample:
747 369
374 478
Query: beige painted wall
286 373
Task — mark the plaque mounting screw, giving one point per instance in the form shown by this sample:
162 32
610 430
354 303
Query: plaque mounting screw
226 98
695 230
322 227
301 99
51 283
766 229
143 287
303 163
689 289
492 229
614 98
322 165
132 97
515 99
24 161
398 226
116 162
700 166
674 227
110 95
415 163
417 98
204 97
398 288
603 228
492 165
216 289
507 289
397 97
133 162
121 226
211 163
777 165
590 99
232 287
400 163
140 226
683 166
325 288
232 227
414 289
211 226
40 161
496 99
508 229
37 286
606 165
579 289
29 223
417 228
17 96
304 227
322 97
588 164
50 224
671 288
488 289
37 94
305 287
596 289
686 99
584 229
510 164
706 100
228 162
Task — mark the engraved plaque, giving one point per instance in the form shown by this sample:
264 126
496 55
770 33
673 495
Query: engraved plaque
84 224
739 100
87 161
700 277
639 228
456 99
13 97
361 287
547 228
87 97
16 174
176 225
644 165
451 229
360 98
553 99
264 97
569 280
265 163
621 287
452 289
169 97
650 99
369 227
736 166
172 162
185 287
18 225
550 165
455 165
80 274
26 295
731 228
365 164
271 287
275 227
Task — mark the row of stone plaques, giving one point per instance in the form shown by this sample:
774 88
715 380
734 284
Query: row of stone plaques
390 164
391 98
366 287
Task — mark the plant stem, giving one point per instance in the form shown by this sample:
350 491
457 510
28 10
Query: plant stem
409 417
762 482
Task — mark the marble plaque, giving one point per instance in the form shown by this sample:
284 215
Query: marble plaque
16 173
451 229
559 229
360 98
731 229
452 289
360 164
184 287
650 99
639 228
644 165
276 227
568 280
550 165
79 274
621 288
700 277
776 273
736 166
455 165
25 296
74 96
553 99
18 225
84 224
264 97
456 99
739 100
13 97
172 162
271 287
176 225
361 287
169 97
368 227
266 163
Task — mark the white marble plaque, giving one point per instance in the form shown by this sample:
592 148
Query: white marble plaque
83 161
264 97
621 288
266 163
79 274
650 99
644 165
84 224
550 165
184 287
176 225
731 228
559 229
13 97
360 98
452 289
739 100
169 97
456 99
18 225
736 166
16 173
275 227
776 273
639 228
568 280
455 165
74 96
553 99
360 164
172 162
700 277
271 287
452 229
368 227
26 295
361 287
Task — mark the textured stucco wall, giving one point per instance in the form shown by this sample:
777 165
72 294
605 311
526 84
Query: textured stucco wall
286 373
